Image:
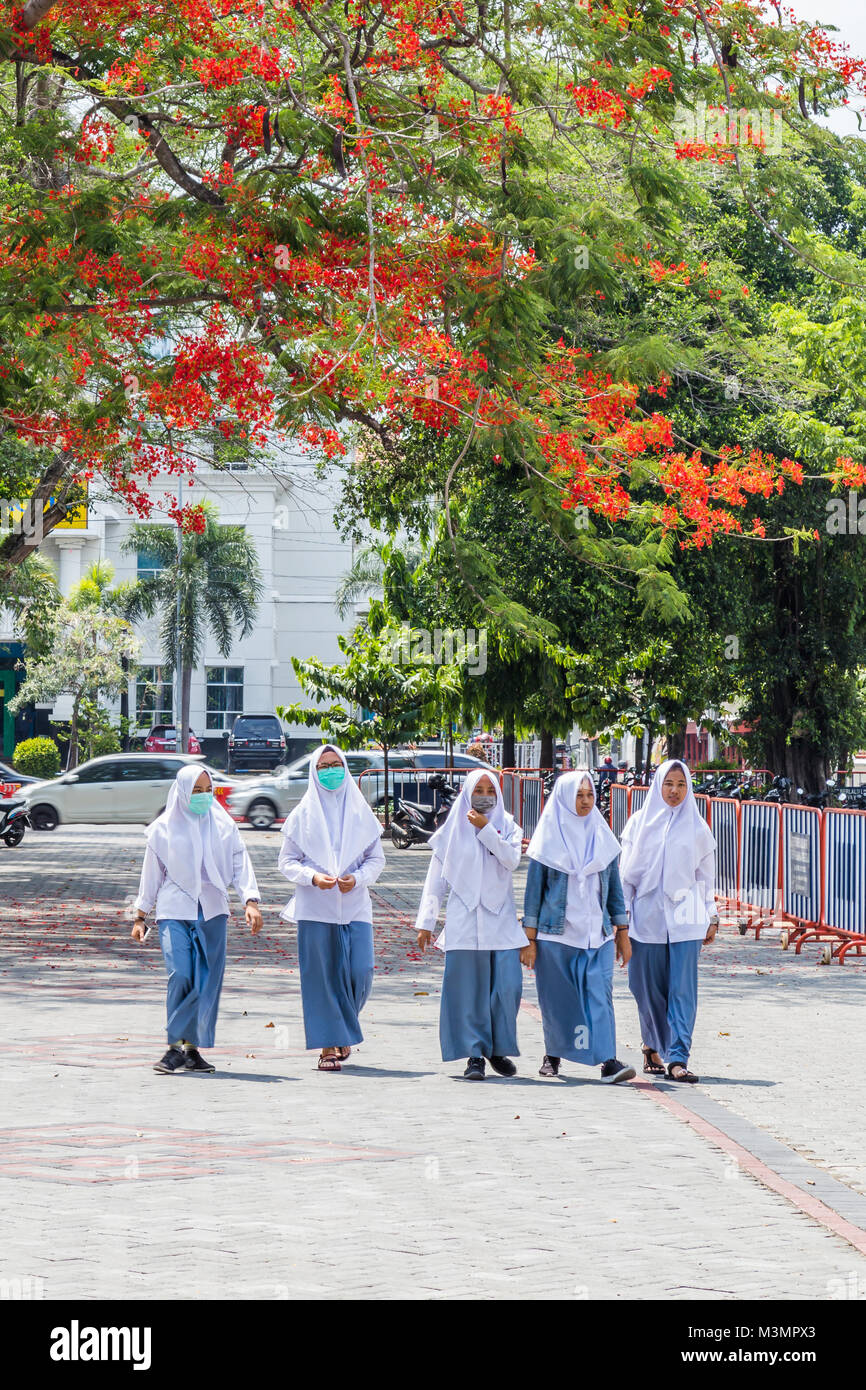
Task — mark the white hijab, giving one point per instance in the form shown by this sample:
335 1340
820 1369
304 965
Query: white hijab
332 828
470 869
184 843
664 843
580 845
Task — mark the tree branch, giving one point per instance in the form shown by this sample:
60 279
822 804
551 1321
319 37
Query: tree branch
34 12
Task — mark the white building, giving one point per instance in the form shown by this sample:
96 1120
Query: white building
288 510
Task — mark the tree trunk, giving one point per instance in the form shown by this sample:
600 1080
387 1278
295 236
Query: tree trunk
546 756
72 753
803 764
124 705
509 750
675 743
643 762
450 742
806 764
185 687
385 760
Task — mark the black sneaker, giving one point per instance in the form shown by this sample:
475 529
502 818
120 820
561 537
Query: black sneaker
503 1065
195 1061
174 1060
475 1069
550 1066
613 1071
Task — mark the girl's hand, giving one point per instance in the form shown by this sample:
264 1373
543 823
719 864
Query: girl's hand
477 818
623 948
346 883
712 929
139 927
253 916
528 954
324 881
425 939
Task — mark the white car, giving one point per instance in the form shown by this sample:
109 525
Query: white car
123 788
266 800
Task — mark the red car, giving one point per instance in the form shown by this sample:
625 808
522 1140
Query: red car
163 738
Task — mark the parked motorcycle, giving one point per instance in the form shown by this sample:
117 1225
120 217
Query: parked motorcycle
751 788
602 795
14 820
414 822
780 790
821 799
548 777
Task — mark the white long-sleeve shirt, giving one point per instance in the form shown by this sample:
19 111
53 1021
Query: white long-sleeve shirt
329 904
474 929
655 919
583 916
157 890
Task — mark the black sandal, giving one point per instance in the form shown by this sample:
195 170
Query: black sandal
686 1074
650 1067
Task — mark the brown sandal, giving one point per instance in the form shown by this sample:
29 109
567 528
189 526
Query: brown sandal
650 1067
685 1074
328 1062
343 1053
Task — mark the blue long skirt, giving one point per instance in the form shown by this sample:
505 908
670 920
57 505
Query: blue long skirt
663 978
480 998
195 957
336 965
575 995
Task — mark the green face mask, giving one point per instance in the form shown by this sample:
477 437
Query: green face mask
331 777
200 803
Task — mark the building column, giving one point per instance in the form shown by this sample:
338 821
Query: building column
70 548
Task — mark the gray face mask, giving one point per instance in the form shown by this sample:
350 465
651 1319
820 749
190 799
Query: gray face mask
483 803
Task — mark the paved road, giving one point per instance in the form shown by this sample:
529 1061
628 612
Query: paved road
395 1178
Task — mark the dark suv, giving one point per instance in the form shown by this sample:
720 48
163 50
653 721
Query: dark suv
256 740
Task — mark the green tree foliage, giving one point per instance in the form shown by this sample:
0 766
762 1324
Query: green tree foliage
376 696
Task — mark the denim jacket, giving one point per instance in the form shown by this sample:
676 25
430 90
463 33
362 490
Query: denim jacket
546 892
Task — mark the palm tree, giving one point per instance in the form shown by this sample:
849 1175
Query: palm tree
367 573
30 592
214 583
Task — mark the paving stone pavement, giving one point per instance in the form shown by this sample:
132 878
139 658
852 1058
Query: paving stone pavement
395 1179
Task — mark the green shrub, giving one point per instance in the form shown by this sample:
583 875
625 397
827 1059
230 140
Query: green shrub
37 757
105 741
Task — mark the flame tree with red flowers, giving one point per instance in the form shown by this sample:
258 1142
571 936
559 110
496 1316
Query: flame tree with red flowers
285 216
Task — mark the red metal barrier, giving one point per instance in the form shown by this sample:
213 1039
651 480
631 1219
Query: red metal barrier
843 887
760 866
802 876
814 890
620 807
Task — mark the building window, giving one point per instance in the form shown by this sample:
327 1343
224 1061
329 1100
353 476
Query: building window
149 565
225 695
154 696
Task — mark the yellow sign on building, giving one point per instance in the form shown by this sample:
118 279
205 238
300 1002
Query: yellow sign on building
24 518
75 519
